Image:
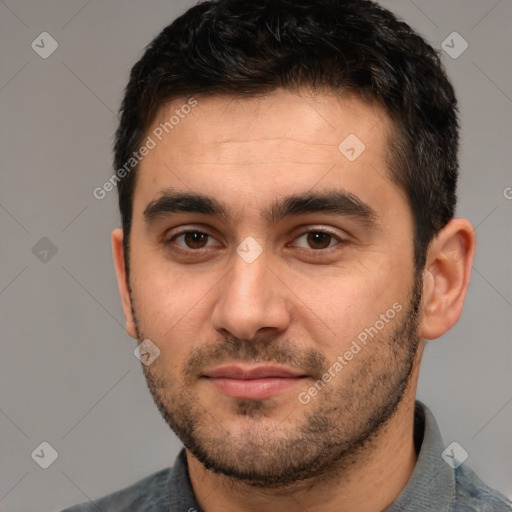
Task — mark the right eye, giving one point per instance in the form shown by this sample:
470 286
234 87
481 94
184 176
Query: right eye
191 240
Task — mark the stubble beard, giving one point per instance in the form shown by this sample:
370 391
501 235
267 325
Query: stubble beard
332 431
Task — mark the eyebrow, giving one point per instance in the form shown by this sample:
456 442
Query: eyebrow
338 202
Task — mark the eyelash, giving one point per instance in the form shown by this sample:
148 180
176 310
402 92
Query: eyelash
171 240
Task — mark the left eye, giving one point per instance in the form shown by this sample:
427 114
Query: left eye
317 240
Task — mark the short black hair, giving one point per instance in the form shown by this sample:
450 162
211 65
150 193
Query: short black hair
352 47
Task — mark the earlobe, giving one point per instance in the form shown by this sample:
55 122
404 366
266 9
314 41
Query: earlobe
122 281
446 278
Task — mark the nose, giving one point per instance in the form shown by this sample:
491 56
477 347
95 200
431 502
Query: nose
251 297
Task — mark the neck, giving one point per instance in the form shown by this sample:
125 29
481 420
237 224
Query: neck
369 483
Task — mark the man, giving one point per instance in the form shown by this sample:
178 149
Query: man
286 174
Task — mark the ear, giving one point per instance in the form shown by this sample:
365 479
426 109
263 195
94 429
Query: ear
446 277
122 281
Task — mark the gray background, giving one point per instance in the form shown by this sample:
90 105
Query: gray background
68 374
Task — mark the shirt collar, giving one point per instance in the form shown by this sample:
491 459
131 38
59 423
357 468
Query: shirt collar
432 482
180 494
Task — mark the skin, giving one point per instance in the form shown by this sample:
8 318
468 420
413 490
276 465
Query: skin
296 303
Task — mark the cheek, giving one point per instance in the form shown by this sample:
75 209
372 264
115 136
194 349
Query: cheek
168 301
159 285
334 314
168 311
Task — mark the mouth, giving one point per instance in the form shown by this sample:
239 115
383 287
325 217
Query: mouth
256 383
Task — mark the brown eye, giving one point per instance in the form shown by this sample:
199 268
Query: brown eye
195 239
191 240
319 239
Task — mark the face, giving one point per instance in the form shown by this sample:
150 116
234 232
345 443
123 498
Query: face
273 269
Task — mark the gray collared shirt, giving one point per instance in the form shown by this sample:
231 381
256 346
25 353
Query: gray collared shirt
434 485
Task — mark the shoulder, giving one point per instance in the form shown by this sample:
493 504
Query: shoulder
146 495
473 495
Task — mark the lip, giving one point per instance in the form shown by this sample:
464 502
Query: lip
257 383
258 372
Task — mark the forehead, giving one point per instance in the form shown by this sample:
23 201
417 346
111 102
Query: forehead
249 149
316 120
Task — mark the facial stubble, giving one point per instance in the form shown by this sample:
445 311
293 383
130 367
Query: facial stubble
273 447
